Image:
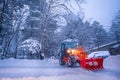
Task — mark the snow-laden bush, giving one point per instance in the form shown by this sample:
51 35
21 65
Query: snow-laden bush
31 45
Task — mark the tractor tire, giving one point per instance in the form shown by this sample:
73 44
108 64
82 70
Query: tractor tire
61 62
70 62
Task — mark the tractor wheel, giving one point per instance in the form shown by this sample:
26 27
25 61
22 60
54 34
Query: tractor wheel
70 62
61 62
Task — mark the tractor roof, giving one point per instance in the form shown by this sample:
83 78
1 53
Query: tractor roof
70 40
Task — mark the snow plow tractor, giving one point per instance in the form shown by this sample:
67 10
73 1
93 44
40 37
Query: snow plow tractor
71 53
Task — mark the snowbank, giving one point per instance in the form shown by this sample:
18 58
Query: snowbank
112 62
99 54
15 63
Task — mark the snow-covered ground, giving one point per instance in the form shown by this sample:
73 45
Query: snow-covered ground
49 69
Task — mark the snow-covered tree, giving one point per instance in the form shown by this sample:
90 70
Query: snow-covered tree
31 47
54 9
115 28
41 19
6 15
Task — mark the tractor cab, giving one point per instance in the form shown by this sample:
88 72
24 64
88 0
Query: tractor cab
68 52
68 45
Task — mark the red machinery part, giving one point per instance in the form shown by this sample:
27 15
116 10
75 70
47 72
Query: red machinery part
92 63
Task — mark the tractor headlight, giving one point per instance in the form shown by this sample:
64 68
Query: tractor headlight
73 51
68 51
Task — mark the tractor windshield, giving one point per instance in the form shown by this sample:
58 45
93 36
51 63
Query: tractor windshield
70 45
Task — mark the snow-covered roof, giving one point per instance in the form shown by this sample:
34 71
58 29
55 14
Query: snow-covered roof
104 45
115 46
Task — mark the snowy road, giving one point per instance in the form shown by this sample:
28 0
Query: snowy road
11 69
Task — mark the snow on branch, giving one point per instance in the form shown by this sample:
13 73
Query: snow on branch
35 18
31 45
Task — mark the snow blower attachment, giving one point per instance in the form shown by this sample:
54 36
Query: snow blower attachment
71 53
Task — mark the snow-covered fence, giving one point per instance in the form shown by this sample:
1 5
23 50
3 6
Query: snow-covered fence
105 47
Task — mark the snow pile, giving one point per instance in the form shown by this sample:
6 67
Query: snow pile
99 54
26 63
31 45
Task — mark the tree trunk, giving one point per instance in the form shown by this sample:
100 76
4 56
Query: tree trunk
16 40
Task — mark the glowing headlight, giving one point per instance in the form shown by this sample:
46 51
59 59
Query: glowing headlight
73 51
68 51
